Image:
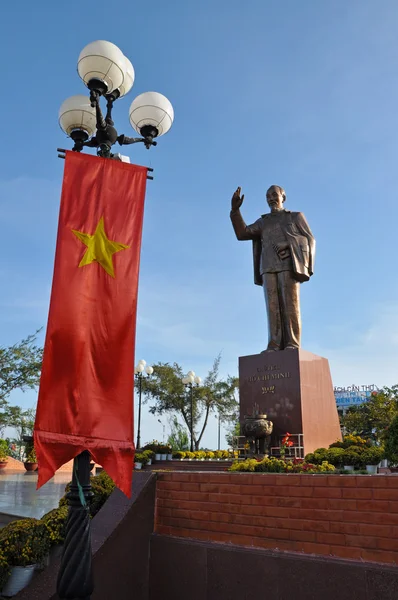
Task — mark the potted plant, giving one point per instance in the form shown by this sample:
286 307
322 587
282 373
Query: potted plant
371 458
209 455
391 445
189 455
30 463
334 456
179 455
200 455
351 459
149 454
24 543
225 454
163 452
169 453
155 447
3 456
138 460
218 454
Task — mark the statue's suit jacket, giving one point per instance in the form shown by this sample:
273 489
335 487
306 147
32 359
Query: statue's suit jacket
297 233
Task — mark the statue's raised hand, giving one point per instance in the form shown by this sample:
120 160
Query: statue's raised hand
237 199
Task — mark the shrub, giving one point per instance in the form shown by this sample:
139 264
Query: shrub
154 446
163 449
276 465
101 486
4 570
24 542
224 453
4 451
141 457
320 454
179 454
210 454
218 454
101 495
150 454
355 440
271 465
55 521
200 455
353 456
304 467
310 458
334 456
391 443
337 444
105 481
63 501
31 457
373 455
248 465
189 454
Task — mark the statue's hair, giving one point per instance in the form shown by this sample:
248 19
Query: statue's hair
282 191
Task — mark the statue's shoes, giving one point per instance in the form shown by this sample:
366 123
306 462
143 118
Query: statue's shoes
271 349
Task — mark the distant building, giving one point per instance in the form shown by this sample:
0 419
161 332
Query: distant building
353 395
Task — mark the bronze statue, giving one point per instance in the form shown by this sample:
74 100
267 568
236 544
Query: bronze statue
283 255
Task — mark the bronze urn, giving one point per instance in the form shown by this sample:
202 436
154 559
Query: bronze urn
257 429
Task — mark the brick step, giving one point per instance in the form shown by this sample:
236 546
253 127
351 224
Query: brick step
189 465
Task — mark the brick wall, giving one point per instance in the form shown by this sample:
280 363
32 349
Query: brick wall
346 516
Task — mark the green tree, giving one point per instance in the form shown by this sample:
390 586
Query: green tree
168 395
178 438
20 367
391 439
232 430
23 422
372 419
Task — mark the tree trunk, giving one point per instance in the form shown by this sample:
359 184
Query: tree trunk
204 427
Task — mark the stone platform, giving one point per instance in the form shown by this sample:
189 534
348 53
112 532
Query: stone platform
294 388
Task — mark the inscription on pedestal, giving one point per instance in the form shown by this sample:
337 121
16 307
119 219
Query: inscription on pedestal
272 382
294 388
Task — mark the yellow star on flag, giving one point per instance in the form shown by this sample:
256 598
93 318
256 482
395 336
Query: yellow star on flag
99 248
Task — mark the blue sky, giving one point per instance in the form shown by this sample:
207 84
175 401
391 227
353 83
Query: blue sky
303 94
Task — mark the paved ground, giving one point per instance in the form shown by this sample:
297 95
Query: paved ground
19 497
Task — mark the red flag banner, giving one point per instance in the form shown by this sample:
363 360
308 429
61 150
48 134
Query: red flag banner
87 382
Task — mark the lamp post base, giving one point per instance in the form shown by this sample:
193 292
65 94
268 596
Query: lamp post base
75 579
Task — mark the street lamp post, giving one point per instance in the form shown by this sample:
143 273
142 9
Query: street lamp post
188 381
139 375
107 73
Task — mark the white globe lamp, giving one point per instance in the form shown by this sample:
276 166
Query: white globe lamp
151 114
102 66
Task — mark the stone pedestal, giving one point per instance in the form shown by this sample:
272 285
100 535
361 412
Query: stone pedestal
294 388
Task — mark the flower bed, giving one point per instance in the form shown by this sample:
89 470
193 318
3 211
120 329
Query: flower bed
275 465
353 451
203 455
